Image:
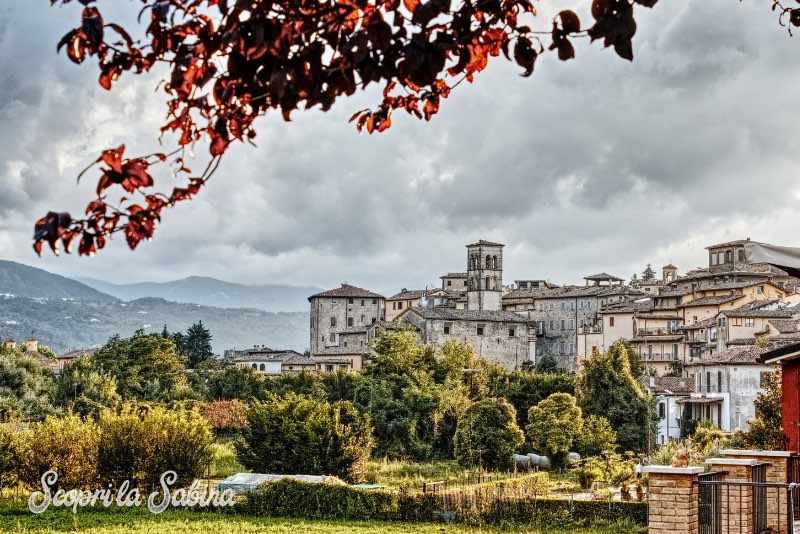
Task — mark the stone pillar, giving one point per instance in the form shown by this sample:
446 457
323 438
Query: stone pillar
777 473
737 501
673 499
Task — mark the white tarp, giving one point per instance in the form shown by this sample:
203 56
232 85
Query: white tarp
786 258
246 482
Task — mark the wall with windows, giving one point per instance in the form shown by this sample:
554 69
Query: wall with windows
330 316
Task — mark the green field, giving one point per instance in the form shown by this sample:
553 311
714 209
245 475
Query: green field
16 518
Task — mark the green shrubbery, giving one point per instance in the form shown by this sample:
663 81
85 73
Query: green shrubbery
296 434
130 444
487 435
494 503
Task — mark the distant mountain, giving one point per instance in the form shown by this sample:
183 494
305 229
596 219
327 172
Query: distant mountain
72 324
65 314
213 292
24 281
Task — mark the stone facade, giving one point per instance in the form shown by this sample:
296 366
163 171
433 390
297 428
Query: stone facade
484 276
501 337
339 312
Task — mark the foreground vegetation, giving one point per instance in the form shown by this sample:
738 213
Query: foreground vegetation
16 518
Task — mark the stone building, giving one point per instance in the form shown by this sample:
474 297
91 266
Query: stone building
497 336
266 361
484 276
414 299
335 311
455 282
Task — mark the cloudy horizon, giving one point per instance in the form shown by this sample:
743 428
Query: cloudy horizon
592 165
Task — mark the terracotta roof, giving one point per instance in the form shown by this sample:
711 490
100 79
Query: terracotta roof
784 326
602 276
347 291
447 314
677 385
483 243
740 355
709 301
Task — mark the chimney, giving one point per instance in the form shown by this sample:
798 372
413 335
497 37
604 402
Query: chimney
10 344
32 345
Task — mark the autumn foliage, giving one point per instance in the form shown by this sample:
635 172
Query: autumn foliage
231 61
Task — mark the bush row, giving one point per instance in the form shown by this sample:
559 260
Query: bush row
498 504
131 444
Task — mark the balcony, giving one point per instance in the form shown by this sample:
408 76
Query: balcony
660 331
659 357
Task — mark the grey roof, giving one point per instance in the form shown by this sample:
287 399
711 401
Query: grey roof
710 286
448 314
454 275
669 266
662 337
483 243
341 351
758 313
678 385
76 353
415 293
347 291
742 341
784 326
602 276
299 359
740 355
627 307
705 323
259 355
731 243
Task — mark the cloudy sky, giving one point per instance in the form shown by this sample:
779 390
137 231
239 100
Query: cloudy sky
592 165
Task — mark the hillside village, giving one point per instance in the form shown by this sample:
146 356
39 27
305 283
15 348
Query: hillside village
699 334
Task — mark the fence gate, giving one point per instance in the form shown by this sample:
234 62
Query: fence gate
760 498
710 507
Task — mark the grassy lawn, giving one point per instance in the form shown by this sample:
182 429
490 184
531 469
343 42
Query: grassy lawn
16 518
410 475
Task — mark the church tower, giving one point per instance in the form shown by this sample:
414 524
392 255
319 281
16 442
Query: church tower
484 276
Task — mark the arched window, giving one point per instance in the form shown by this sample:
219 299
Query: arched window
487 283
488 262
494 283
255 367
494 262
261 367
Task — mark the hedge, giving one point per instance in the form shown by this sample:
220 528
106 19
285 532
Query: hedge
495 503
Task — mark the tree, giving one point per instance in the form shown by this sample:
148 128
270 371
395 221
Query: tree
197 345
553 425
634 283
24 378
648 275
487 435
547 364
596 437
231 62
235 383
145 366
82 388
524 389
606 387
294 434
766 429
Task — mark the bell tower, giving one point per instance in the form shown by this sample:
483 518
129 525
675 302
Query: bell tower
484 276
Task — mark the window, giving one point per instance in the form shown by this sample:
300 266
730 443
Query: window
552 325
561 347
749 321
675 351
581 304
760 290
362 302
708 381
661 410
362 343
362 319
447 327
713 258
374 301
589 304
719 381
551 306
332 337
465 283
373 320
736 321
512 332
742 256
255 366
729 256
449 282
394 305
343 367
333 321
571 324
349 321
480 329
328 368
563 324
261 367
610 321
349 301
400 305
344 344
562 305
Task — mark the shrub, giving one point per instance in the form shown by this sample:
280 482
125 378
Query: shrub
553 425
139 445
596 437
487 435
225 417
9 454
299 435
66 445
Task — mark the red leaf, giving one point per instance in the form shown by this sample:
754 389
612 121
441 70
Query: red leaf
113 158
411 5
